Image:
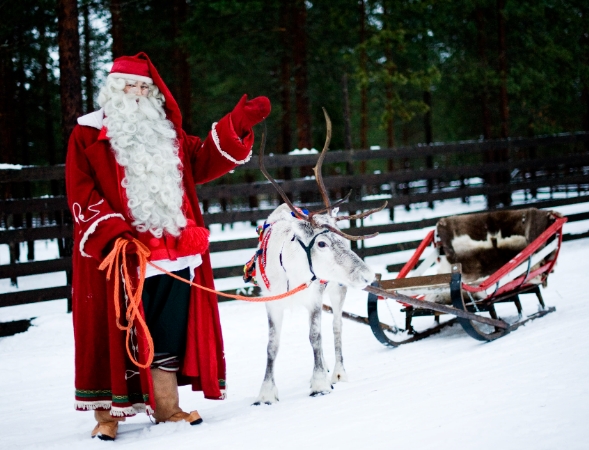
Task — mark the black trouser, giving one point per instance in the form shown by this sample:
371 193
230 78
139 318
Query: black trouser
165 302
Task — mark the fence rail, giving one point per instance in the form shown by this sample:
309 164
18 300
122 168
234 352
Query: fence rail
563 164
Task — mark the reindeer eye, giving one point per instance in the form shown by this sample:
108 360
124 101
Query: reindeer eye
321 244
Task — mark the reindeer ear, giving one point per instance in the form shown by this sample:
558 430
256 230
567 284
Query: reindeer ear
334 212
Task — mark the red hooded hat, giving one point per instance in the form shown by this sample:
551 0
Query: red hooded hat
140 68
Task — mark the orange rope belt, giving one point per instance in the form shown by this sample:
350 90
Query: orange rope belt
114 259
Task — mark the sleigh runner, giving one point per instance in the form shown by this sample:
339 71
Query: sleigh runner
481 260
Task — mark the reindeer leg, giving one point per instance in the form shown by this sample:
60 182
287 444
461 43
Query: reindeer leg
319 382
268 391
337 294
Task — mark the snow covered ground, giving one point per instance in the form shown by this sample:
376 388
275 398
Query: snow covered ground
528 390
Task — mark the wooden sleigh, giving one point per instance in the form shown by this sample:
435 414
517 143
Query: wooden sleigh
479 261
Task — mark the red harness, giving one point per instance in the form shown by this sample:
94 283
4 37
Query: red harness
249 270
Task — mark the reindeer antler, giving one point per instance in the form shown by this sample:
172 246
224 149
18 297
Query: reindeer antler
296 212
319 164
334 205
364 214
348 236
322 189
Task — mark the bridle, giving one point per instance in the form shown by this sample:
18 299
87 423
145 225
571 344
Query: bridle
307 249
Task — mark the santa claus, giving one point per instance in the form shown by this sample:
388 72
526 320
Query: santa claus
131 173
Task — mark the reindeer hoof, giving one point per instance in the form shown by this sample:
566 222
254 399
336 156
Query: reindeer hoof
318 393
259 403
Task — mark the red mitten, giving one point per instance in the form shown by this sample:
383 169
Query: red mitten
248 113
193 240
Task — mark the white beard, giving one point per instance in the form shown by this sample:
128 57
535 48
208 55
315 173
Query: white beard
145 145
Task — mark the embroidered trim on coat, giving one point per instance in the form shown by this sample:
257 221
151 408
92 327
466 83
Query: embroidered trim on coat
92 228
114 410
225 154
77 212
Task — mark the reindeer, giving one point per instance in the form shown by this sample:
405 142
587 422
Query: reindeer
299 247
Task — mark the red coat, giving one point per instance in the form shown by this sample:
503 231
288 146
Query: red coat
104 375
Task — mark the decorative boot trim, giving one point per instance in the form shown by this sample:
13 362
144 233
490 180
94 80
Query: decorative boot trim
130 410
117 411
90 406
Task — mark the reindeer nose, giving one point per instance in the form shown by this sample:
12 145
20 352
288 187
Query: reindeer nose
369 277
367 280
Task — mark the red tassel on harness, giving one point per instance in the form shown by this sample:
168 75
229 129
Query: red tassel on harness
193 240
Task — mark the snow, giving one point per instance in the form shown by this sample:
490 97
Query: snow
303 151
4 166
528 390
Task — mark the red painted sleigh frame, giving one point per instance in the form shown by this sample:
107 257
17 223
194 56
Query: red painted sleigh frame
516 277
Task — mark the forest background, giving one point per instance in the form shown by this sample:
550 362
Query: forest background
388 72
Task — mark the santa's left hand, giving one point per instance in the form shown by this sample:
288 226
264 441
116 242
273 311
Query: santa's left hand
248 113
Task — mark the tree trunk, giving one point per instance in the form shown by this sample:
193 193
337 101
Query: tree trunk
116 28
503 103
585 101
389 89
503 154
303 113
484 96
69 65
532 155
303 116
182 86
7 93
50 152
22 190
346 105
347 128
364 89
285 84
88 74
406 162
584 41
390 113
427 119
491 179
391 144
70 88
429 138
7 141
21 128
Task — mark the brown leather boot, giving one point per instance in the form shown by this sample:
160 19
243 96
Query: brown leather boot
107 426
167 409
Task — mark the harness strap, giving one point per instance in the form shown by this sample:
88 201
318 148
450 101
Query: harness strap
307 249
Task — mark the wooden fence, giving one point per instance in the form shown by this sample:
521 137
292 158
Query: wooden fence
35 208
